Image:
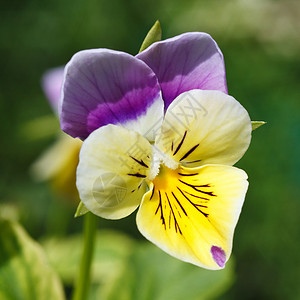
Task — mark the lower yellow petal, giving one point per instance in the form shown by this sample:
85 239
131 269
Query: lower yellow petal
191 213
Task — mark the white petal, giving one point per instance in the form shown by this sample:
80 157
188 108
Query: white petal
203 127
113 165
148 124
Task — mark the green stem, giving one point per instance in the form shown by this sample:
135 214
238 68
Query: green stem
83 280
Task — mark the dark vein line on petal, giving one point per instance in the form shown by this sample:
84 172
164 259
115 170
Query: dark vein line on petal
195 188
193 161
161 210
179 204
195 205
183 174
206 199
152 193
141 162
189 152
176 225
180 144
137 175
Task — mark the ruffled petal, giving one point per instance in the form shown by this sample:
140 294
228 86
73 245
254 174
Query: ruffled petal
203 127
186 62
113 165
192 213
52 82
109 87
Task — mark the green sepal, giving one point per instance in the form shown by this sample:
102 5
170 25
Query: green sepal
154 35
81 210
256 124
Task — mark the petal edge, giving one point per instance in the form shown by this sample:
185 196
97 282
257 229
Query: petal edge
113 165
103 87
191 214
185 62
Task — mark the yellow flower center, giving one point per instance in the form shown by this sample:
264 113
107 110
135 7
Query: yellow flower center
165 178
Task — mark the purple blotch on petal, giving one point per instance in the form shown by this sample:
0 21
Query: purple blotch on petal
219 255
103 87
186 62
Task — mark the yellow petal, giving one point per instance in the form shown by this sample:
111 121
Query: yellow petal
58 165
191 213
203 127
113 164
60 156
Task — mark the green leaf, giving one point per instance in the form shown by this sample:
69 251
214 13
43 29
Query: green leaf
110 254
81 210
25 273
256 124
154 35
152 274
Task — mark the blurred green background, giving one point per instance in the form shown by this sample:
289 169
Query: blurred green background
261 45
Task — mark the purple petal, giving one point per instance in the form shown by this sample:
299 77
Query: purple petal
219 256
106 87
51 84
186 62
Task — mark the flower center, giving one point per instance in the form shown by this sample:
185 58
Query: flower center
165 178
160 162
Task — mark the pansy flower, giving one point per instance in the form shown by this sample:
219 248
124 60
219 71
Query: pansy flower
161 133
